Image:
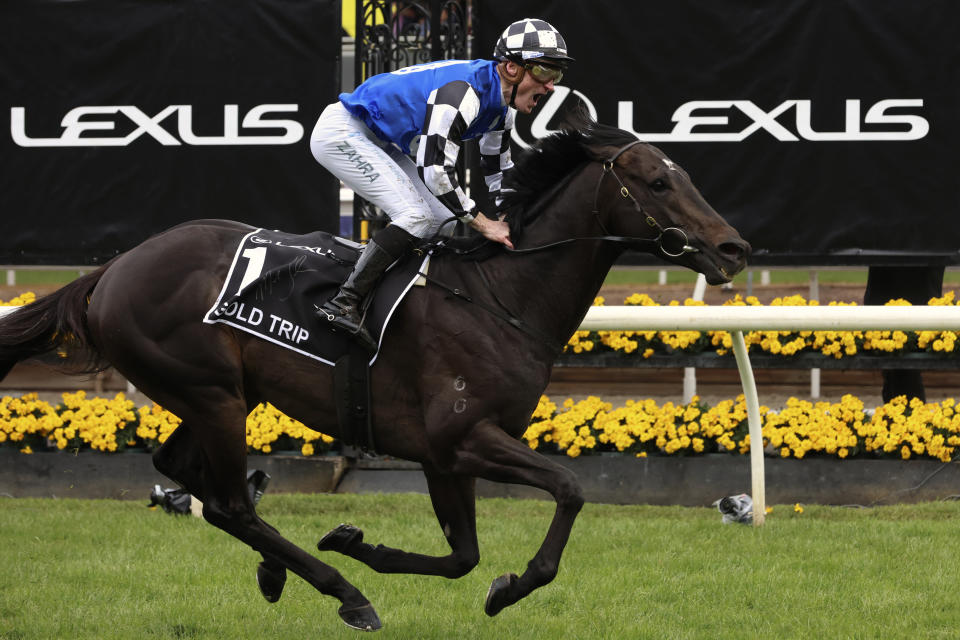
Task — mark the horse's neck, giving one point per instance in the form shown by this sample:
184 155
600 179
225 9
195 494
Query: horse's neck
553 289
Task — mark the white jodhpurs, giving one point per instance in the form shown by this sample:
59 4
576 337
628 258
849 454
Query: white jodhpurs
380 172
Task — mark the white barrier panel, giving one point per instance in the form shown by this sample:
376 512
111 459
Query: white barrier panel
768 318
772 318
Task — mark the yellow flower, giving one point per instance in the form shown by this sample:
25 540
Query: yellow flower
22 299
798 508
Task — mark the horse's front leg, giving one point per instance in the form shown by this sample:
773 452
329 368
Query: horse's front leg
490 453
453 500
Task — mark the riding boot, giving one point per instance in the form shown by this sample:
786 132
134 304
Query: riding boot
343 311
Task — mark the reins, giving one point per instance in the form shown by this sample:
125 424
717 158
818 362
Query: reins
503 312
656 243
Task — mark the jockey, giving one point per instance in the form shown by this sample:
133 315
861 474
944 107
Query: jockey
427 111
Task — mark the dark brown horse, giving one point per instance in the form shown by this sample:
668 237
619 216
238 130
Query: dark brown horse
454 386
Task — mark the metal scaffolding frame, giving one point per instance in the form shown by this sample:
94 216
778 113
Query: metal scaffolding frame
395 34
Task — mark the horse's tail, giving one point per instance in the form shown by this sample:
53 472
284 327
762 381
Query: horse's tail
54 324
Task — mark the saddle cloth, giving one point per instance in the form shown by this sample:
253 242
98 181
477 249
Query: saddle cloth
277 280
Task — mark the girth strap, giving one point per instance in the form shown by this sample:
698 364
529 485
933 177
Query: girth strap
351 382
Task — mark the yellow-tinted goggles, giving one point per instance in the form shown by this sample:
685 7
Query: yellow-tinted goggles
545 74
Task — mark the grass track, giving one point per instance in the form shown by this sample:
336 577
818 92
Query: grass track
111 569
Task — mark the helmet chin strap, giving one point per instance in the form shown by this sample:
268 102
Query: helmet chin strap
513 96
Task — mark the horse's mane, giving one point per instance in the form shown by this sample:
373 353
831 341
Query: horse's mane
541 171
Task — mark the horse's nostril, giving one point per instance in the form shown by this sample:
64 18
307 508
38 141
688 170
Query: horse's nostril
735 250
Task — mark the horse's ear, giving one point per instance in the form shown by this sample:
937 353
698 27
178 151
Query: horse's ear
578 121
575 118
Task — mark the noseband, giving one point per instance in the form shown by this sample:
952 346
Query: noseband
675 235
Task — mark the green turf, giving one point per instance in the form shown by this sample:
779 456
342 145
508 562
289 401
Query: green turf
26 277
109 569
799 277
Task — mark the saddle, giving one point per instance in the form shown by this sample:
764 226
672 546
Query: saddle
272 290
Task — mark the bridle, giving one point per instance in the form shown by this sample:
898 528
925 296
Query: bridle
501 311
679 235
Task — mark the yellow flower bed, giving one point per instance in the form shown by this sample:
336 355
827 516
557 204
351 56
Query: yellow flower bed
836 344
844 429
898 429
110 425
22 299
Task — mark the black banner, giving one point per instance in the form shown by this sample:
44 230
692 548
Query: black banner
127 117
824 130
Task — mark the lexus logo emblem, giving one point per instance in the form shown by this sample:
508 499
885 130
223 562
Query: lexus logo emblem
562 99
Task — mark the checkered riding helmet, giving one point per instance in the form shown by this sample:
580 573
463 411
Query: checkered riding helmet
531 39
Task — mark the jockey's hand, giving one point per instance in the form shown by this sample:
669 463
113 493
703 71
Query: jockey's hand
493 230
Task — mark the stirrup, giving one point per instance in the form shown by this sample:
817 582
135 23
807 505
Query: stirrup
339 319
342 322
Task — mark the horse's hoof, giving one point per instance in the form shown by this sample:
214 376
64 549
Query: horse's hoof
363 618
341 538
271 582
497 596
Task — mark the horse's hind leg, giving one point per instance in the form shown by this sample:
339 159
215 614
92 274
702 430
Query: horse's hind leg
453 500
180 458
209 457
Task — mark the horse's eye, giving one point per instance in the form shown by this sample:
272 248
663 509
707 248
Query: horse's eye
659 185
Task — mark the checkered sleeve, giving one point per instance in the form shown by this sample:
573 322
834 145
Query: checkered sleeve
495 156
450 110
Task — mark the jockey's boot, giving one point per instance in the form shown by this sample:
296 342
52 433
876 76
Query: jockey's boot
343 311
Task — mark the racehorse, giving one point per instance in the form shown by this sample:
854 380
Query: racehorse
454 385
